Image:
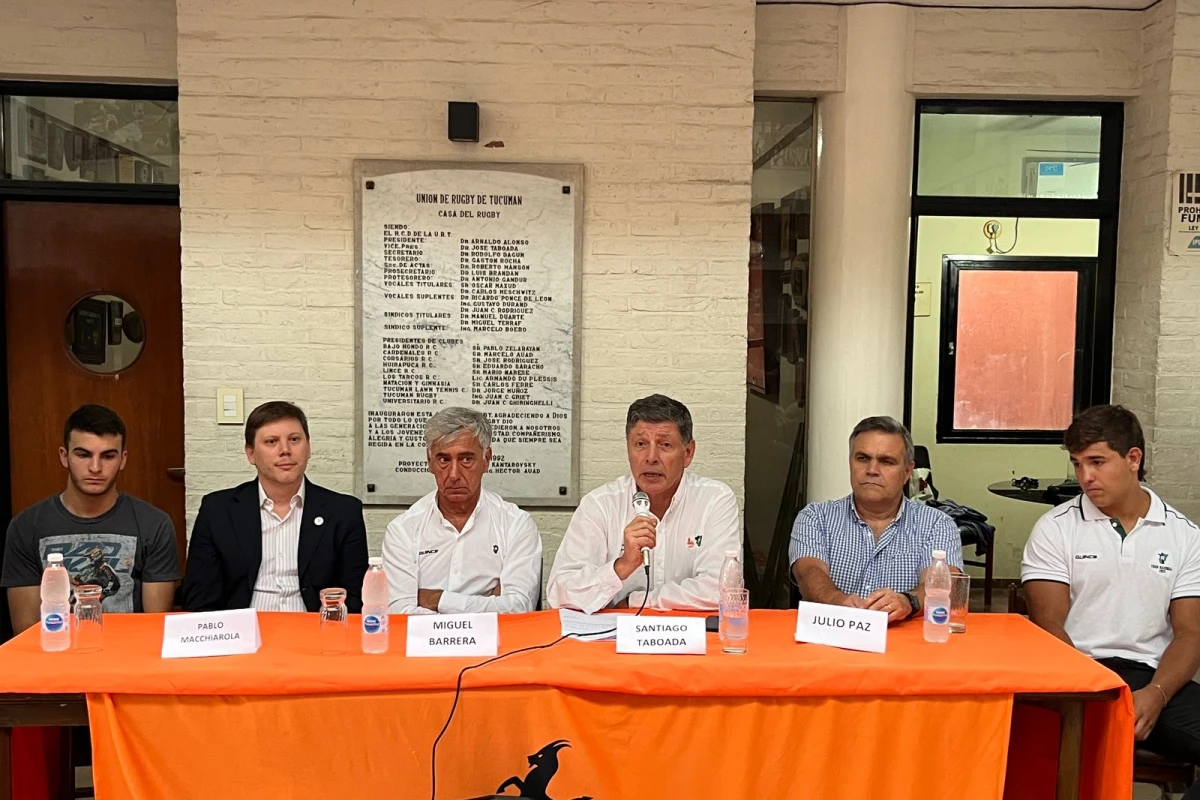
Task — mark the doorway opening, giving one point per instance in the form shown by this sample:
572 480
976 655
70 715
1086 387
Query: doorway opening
1012 276
777 342
89 247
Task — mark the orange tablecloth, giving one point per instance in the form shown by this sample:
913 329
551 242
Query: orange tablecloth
921 721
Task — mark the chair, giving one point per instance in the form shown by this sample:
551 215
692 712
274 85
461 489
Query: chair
966 535
1148 767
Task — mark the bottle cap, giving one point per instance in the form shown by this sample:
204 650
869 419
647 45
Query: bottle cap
54 558
375 561
733 554
939 554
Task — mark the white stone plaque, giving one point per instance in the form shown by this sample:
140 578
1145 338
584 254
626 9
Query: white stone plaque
468 279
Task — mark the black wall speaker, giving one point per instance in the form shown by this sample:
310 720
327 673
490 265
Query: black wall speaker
463 122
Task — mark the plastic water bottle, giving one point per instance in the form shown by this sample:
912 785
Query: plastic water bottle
731 572
937 599
56 605
375 608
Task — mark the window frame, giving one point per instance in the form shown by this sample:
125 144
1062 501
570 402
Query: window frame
81 191
1104 209
1085 346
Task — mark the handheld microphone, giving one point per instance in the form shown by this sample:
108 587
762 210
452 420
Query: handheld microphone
641 508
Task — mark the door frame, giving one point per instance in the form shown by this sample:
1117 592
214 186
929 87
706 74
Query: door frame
1105 208
62 192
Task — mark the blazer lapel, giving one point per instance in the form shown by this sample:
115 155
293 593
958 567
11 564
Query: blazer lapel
247 528
311 531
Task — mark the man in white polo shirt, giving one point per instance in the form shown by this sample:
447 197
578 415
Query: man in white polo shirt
1115 573
692 524
461 549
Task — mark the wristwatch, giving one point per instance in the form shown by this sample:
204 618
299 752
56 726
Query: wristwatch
912 601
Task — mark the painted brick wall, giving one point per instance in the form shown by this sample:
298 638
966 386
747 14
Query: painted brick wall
1175 459
117 39
798 50
1141 236
276 100
1025 53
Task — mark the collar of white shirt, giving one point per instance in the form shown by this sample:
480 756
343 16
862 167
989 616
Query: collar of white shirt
267 504
470 523
676 499
1157 513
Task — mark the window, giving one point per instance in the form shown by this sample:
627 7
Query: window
1008 155
1016 347
1013 275
58 138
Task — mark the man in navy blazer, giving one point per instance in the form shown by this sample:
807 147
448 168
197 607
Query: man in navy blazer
275 542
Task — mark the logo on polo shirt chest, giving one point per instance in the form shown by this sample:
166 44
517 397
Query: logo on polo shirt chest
1086 556
1160 566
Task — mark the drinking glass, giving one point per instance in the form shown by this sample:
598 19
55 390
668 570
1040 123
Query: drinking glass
735 620
89 618
960 598
334 622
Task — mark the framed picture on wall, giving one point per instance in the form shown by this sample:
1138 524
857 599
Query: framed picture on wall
106 163
35 132
72 149
88 332
87 164
56 142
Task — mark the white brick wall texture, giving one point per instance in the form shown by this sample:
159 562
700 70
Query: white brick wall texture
1024 53
276 100
1177 414
94 39
1157 362
1141 237
798 50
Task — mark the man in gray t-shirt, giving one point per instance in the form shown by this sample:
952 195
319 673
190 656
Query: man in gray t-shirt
131 543
108 539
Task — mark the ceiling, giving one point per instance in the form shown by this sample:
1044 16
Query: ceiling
1124 5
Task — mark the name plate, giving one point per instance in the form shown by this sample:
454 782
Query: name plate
841 626
449 635
661 635
211 633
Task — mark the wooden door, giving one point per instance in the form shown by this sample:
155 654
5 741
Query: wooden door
56 254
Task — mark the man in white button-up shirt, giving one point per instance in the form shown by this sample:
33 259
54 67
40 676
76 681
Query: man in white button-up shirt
462 549
693 525
1115 573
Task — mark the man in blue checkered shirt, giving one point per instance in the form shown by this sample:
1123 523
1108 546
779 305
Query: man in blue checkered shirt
870 549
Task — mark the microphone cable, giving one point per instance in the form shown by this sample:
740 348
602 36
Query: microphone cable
646 596
458 694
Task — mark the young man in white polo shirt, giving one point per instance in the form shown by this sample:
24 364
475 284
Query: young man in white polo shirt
1115 573
461 549
692 524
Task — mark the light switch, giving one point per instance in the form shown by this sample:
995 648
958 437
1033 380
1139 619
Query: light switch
229 407
923 300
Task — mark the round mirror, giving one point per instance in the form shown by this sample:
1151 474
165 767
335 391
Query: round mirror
105 333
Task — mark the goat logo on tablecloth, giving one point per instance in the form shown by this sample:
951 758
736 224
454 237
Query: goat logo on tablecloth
543 766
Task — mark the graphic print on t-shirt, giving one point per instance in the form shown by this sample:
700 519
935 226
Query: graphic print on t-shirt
101 559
